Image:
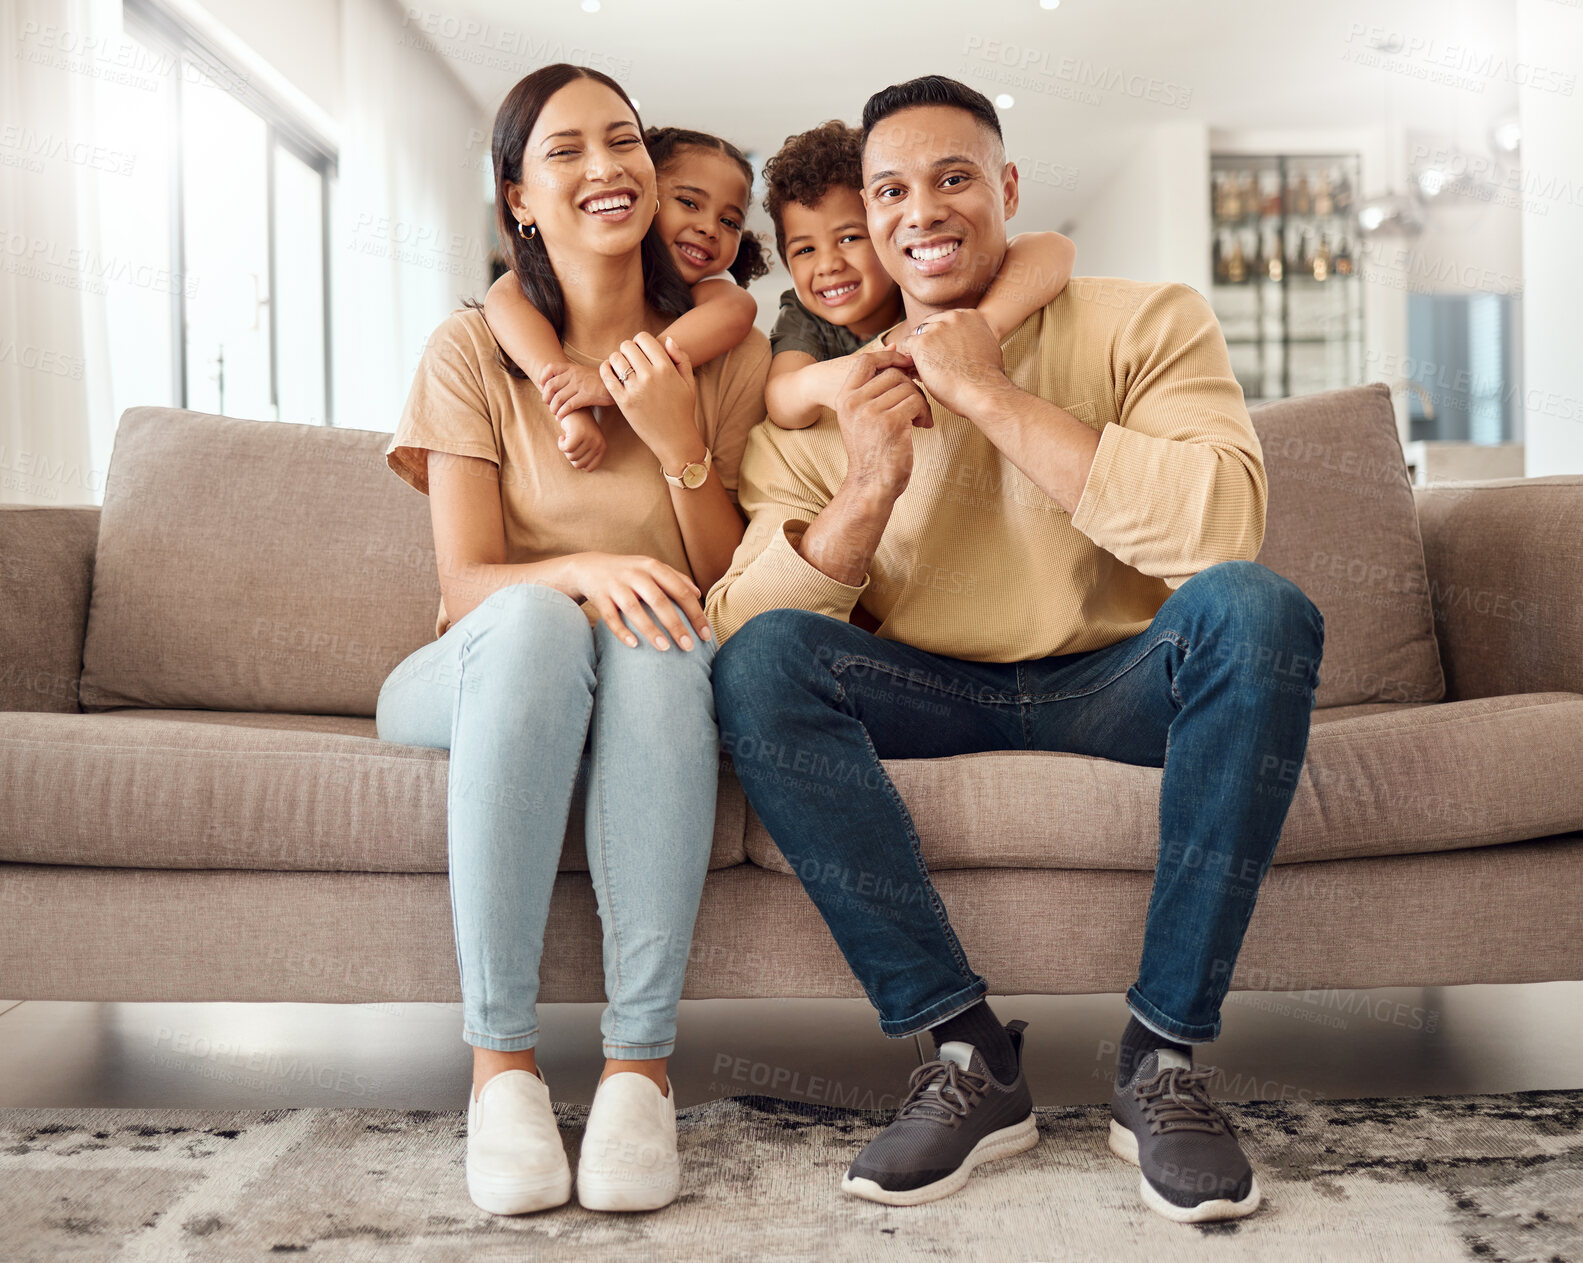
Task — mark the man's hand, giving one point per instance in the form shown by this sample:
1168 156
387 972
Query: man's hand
877 407
958 358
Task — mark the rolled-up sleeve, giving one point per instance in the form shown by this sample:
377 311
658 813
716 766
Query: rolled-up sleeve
767 572
447 408
1178 483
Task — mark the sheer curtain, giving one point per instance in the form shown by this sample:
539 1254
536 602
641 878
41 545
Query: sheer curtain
87 268
65 63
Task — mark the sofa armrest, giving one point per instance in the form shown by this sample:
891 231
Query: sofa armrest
46 577
1505 563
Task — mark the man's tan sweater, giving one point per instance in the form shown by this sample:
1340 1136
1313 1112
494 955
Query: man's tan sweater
977 562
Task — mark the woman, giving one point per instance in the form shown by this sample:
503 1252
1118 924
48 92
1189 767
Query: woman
570 623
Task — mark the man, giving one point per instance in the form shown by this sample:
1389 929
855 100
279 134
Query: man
1054 546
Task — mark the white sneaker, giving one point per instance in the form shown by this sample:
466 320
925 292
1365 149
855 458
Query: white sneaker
629 1157
515 1160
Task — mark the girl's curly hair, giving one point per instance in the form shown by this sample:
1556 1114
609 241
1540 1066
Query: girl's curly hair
665 144
808 166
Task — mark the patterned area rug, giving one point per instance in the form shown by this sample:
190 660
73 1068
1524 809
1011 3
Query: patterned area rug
1480 1177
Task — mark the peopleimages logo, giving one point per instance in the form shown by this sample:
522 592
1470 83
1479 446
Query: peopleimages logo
1402 50
1077 71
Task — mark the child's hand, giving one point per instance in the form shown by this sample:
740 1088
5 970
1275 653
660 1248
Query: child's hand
566 387
582 441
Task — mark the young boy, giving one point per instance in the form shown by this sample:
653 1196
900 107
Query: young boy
842 298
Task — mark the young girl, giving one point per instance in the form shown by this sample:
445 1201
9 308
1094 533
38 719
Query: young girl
842 297
704 184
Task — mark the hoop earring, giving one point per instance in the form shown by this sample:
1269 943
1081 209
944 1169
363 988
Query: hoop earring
532 230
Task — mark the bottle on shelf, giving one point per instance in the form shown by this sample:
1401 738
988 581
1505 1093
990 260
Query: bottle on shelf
1324 203
1321 263
1343 258
1237 263
1304 262
1274 265
1270 192
1302 198
1343 192
1218 259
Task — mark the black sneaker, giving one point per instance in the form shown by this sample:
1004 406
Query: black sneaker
1164 1123
956 1116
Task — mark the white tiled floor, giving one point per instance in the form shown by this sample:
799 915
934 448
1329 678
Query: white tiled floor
1395 1042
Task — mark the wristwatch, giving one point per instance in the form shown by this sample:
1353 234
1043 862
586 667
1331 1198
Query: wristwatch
692 476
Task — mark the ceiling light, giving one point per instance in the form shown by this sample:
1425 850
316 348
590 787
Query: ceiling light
1508 135
590 6
1431 182
1005 100
1049 4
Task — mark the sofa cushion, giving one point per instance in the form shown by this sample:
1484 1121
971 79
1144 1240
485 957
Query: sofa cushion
1393 781
253 565
46 570
187 789
1341 524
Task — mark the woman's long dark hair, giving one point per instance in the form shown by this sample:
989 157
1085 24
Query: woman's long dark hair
664 143
663 286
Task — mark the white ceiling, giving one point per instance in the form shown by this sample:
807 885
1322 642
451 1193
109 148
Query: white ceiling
756 71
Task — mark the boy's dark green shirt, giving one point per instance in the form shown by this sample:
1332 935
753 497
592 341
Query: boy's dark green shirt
798 329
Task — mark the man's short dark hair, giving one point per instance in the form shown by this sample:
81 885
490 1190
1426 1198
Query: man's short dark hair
928 90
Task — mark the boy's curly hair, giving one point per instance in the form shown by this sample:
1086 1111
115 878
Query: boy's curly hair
808 166
665 143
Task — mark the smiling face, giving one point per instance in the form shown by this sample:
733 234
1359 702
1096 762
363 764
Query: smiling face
703 196
587 182
833 265
938 191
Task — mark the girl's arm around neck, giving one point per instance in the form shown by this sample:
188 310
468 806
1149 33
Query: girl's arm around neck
521 329
1035 270
721 318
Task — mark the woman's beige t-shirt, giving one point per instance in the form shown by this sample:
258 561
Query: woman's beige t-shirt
464 402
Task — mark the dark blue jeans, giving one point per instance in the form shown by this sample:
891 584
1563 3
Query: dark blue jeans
1218 691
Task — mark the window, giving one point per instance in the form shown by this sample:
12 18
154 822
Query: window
243 206
1463 352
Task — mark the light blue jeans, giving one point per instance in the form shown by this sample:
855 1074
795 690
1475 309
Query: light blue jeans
522 691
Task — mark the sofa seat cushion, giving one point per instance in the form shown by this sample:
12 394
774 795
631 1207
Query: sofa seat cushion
209 789
1391 780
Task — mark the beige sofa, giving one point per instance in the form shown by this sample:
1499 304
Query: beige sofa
196 807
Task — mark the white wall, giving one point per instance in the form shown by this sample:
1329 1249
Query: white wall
299 38
1150 222
410 233
1551 34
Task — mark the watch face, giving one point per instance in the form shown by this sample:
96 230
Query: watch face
693 476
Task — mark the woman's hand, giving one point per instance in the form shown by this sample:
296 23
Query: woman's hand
615 585
567 387
653 386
